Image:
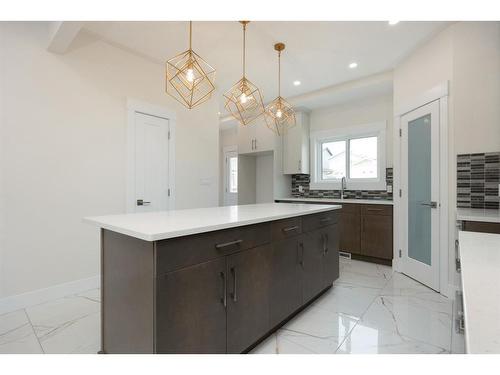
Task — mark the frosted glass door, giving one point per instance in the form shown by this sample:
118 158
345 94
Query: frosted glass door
419 189
420 186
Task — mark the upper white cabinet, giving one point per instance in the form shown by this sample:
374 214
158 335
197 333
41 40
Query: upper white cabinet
296 146
256 137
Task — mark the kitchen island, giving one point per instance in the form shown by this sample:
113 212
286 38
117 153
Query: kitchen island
211 280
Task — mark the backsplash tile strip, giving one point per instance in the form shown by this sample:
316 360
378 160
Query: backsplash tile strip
478 176
304 181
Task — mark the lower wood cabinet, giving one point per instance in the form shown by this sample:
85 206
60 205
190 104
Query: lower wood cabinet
480 226
248 302
376 236
191 312
221 305
285 289
366 231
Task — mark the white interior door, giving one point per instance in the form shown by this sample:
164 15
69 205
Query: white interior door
151 163
420 194
230 176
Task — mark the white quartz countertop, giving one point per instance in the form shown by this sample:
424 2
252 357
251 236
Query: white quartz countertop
478 214
336 200
480 264
154 226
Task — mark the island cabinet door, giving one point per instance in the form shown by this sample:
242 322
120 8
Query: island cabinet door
330 255
249 283
191 313
286 292
311 260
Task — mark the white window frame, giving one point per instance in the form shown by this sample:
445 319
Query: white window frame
377 129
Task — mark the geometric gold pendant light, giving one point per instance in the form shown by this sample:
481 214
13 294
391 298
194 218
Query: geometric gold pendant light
244 100
189 79
280 115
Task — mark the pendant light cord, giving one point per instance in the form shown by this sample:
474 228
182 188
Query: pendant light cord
279 73
190 33
244 47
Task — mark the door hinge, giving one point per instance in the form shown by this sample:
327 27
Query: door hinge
400 193
400 132
169 192
400 253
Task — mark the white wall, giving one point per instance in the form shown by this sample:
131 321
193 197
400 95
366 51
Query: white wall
358 112
476 86
264 176
467 55
63 121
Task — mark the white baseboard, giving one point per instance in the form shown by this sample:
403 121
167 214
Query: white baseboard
36 297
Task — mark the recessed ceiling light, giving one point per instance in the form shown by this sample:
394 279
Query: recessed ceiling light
353 65
392 23
296 83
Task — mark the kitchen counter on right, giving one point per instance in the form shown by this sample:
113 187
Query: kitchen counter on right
480 270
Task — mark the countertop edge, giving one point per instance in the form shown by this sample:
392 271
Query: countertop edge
205 229
385 202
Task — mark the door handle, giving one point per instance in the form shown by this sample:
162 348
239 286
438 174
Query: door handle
289 229
233 294
226 244
301 258
223 300
430 204
140 202
325 244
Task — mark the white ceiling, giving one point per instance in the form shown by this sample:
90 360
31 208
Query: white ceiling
317 53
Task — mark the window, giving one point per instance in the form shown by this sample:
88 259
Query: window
233 174
356 153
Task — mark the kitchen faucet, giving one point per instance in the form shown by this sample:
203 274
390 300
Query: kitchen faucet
343 186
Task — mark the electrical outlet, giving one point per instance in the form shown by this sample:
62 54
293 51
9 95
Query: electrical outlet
301 189
389 188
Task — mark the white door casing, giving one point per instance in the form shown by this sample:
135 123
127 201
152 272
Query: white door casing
230 196
419 270
150 158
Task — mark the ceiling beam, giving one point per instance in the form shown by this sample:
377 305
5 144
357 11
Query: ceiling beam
61 35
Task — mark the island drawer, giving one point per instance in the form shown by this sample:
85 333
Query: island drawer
176 253
286 228
323 219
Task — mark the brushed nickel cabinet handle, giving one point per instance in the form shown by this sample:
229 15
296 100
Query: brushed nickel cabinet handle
233 294
301 258
325 220
226 244
289 229
224 289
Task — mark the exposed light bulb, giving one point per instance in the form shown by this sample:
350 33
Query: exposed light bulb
190 75
243 98
296 83
279 113
353 65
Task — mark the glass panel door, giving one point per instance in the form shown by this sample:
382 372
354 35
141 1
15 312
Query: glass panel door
419 189
420 194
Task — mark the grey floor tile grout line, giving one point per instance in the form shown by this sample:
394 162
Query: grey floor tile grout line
33 329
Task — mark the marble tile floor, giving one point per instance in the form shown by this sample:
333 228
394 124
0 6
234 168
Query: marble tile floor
370 309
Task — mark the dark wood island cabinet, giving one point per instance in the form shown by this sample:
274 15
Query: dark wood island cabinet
222 291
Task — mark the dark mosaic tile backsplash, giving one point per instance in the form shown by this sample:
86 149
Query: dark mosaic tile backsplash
304 180
478 176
